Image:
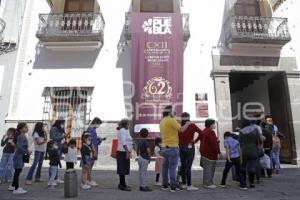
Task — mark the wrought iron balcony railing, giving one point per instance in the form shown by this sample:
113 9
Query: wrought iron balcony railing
258 30
71 27
185 24
2 25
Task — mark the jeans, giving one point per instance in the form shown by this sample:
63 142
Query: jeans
237 165
52 174
171 157
38 161
250 167
6 167
275 155
209 167
143 167
186 157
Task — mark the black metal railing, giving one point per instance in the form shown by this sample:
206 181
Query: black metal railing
254 29
71 27
185 26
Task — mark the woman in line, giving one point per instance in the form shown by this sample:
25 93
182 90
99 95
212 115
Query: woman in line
187 149
125 146
21 151
40 140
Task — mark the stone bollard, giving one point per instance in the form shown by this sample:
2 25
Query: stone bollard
71 185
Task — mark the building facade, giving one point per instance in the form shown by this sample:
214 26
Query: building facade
239 57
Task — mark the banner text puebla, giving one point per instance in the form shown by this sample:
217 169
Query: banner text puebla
157 67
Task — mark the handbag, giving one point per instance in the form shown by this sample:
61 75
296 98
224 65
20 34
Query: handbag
26 158
114 148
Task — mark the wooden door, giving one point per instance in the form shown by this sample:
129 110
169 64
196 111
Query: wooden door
79 6
247 8
280 111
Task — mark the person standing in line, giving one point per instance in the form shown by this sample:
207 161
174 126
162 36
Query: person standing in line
40 139
169 128
54 160
158 162
276 154
86 160
249 138
18 160
57 134
267 146
209 149
125 147
144 160
233 158
6 163
71 154
187 149
96 141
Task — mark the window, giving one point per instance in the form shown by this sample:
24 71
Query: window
157 6
71 104
247 8
79 6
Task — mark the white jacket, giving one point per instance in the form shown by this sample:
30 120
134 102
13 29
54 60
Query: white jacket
71 156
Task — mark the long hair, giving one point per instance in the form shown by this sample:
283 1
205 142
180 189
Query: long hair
39 129
185 117
58 124
20 126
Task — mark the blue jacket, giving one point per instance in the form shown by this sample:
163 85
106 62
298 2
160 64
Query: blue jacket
56 135
21 150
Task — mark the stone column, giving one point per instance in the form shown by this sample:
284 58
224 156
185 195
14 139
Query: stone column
293 82
223 103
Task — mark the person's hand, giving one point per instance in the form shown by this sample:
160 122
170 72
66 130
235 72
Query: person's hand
29 152
229 160
103 138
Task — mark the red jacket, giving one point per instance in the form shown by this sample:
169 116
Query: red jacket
209 147
187 136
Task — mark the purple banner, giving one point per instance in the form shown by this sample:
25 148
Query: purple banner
157 67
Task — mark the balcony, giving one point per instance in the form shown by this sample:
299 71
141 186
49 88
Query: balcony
257 30
185 24
71 31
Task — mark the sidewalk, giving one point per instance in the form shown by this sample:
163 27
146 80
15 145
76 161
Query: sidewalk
285 186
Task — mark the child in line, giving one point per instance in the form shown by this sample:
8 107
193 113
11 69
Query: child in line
233 158
71 154
159 161
144 160
276 154
86 160
6 163
54 158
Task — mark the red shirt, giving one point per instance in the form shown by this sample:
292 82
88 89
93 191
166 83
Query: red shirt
209 147
187 136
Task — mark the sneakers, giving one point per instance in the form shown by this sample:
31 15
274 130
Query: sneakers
165 188
92 183
124 188
59 181
184 186
210 186
19 191
223 185
28 182
243 188
11 188
192 188
85 186
145 189
158 184
52 184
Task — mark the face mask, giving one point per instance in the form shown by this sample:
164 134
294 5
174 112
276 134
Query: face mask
89 142
62 126
55 147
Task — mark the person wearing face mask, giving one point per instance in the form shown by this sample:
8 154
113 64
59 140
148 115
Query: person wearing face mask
57 134
53 154
86 160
